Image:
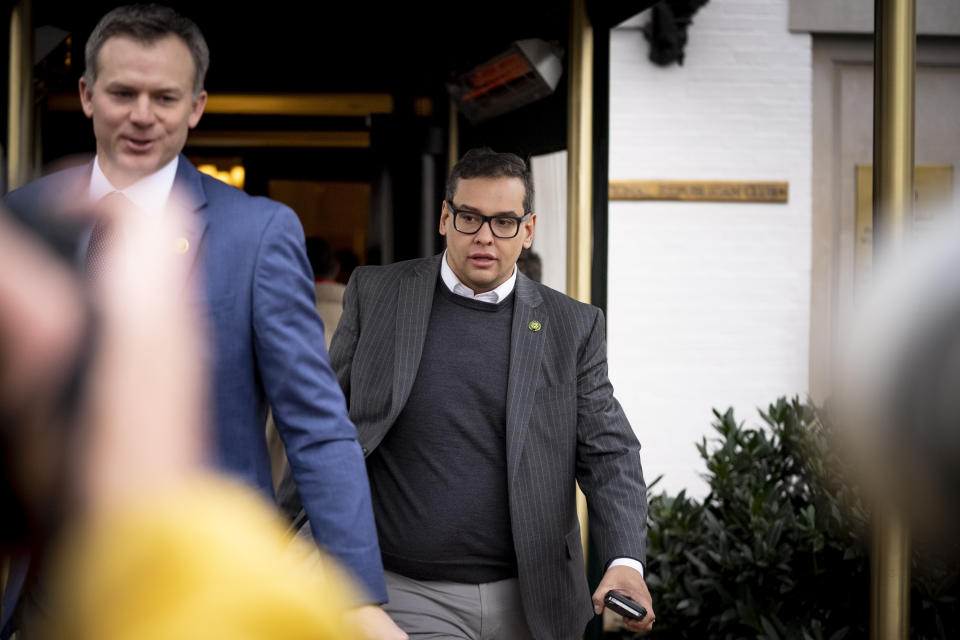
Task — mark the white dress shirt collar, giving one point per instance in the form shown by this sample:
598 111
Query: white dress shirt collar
453 284
149 194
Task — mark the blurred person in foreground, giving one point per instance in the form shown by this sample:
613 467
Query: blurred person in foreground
103 461
143 90
481 399
897 390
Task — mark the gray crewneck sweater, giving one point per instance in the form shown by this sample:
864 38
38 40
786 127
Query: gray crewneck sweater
439 478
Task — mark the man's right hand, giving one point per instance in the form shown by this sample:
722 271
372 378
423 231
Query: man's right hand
375 624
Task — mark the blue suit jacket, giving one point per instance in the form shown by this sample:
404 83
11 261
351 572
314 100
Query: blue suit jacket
268 350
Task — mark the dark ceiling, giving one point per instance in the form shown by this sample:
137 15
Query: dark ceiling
397 47
401 48
339 46
404 49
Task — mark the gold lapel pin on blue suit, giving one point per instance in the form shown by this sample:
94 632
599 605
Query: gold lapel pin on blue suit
534 325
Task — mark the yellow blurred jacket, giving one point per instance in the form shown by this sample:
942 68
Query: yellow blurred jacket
209 559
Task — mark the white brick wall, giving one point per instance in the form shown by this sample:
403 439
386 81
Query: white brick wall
709 303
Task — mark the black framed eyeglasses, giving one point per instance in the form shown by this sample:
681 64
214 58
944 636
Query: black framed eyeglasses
470 222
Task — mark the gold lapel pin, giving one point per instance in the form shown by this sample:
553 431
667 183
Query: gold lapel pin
535 325
181 245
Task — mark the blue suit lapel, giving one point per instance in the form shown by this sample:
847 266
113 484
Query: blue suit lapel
414 302
526 353
188 192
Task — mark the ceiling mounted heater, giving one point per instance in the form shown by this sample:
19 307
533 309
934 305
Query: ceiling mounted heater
528 71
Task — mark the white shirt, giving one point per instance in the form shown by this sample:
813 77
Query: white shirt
453 284
150 194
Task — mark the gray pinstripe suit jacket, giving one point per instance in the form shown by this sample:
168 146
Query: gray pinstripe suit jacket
563 423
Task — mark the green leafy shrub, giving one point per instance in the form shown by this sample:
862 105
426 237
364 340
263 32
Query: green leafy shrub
778 548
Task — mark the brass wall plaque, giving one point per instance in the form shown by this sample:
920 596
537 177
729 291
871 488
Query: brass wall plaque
699 190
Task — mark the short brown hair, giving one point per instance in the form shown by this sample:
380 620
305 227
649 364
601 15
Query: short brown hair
487 163
147 23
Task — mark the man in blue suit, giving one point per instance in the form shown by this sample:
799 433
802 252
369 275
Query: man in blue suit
143 90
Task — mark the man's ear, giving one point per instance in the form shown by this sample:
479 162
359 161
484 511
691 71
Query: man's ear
86 97
198 106
528 229
444 215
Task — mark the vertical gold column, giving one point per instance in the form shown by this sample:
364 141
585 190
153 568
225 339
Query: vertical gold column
895 47
19 67
579 153
580 176
893 163
20 91
890 577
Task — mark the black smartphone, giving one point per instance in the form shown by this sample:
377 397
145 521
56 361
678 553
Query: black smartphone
623 605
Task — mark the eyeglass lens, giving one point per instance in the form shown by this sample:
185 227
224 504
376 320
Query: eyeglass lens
502 226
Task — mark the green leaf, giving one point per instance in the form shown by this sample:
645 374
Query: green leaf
699 564
768 629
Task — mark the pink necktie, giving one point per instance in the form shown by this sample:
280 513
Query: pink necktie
103 238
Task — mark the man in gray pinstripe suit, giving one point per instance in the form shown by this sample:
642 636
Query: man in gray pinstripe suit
480 396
